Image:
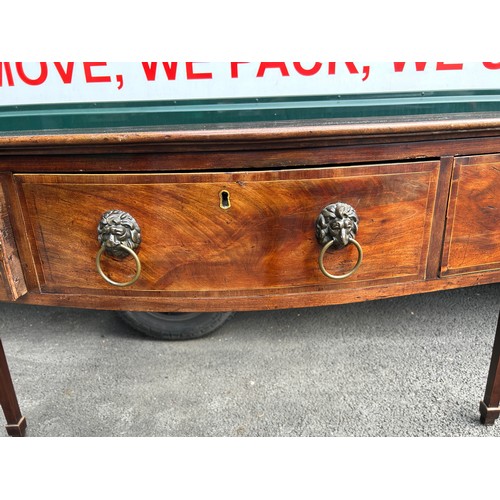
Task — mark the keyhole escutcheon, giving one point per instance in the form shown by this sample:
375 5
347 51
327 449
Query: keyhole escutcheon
224 199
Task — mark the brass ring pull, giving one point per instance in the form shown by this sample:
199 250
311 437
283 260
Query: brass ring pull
109 280
336 227
340 276
119 235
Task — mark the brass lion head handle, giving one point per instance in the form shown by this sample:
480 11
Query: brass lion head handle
119 236
336 227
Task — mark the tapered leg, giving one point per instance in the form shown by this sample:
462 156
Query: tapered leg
489 406
16 423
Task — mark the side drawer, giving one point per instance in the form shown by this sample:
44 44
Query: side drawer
472 237
12 284
264 242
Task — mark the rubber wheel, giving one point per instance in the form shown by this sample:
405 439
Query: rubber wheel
175 326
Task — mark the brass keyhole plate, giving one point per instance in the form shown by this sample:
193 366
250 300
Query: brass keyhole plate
224 199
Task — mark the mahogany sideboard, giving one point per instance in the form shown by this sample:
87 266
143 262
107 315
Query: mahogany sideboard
197 221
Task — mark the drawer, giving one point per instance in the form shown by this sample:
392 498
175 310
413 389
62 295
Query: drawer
12 284
472 237
230 233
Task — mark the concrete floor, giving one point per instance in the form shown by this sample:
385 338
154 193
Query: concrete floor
410 366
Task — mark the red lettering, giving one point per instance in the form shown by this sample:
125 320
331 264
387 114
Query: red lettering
149 70
8 74
65 74
264 66
119 79
352 68
90 78
490 65
30 81
191 75
307 72
420 66
400 66
441 66
170 70
354 71
234 69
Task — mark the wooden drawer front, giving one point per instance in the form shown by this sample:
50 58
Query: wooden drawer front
264 241
12 284
472 239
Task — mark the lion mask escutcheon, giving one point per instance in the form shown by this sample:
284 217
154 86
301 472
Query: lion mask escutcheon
337 222
118 228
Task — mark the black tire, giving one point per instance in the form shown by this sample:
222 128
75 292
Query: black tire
175 326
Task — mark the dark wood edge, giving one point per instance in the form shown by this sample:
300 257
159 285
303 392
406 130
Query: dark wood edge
311 129
24 245
489 407
248 301
488 415
16 423
439 218
10 263
17 430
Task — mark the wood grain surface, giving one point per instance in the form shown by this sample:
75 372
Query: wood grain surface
425 188
472 240
264 242
12 284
